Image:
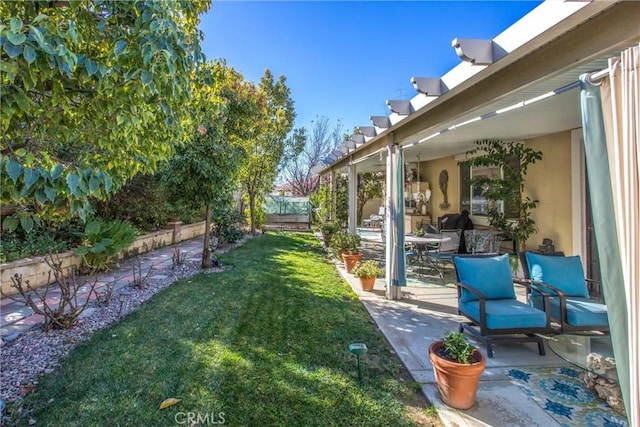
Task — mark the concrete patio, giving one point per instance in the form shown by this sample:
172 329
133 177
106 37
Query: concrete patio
426 311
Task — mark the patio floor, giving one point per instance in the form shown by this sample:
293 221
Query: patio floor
426 311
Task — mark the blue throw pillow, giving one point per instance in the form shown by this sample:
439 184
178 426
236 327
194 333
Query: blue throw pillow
564 273
489 275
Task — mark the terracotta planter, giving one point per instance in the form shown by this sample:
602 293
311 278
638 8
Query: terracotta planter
350 260
457 383
367 283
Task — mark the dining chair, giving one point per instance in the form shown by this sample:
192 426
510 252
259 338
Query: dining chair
439 255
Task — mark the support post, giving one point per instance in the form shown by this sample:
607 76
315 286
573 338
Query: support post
353 199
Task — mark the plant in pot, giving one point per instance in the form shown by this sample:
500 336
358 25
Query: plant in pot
367 272
510 210
327 229
351 253
339 243
457 366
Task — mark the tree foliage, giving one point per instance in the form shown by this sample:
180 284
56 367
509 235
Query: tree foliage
342 200
369 187
269 150
92 94
514 159
203 172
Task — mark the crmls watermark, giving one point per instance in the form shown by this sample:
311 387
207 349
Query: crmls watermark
199 418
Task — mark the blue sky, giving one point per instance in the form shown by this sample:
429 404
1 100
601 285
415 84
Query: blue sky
344 59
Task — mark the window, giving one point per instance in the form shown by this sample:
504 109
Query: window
471 196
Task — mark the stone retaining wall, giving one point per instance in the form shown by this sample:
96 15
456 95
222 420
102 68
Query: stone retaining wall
36 270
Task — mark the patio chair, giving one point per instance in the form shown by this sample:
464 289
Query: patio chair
440 254
486 297
562 277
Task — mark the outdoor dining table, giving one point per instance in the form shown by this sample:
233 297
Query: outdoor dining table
422 243
428 238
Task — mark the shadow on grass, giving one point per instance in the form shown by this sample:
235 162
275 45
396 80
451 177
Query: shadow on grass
265 343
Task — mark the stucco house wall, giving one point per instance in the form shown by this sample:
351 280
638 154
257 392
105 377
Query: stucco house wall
431 174
549 181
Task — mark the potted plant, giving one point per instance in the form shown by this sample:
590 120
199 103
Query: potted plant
457 366
351 253
506 189
367 272
327 229
339 243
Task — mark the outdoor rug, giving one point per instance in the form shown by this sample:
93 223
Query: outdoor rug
563 395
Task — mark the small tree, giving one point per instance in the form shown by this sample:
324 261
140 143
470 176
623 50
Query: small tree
321 202
369 187
267 150
300 173
204 171
514 159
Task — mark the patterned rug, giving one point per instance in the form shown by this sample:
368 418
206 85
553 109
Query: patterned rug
563 395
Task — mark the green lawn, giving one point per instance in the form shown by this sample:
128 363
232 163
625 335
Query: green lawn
264 343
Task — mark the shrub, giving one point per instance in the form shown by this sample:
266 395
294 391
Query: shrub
369 268
329 227
45 238
102 240
140 201
14 246
226 225
457 348
143 203
61 312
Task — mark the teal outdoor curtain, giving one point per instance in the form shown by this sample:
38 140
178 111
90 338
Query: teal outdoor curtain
604 223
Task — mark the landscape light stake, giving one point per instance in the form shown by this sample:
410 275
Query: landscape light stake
122 296
358 349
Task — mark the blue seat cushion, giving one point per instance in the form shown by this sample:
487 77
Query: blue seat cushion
565 273
506 314
581 311
489 275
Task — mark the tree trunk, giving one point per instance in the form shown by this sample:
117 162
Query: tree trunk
252 210
522 243
206 250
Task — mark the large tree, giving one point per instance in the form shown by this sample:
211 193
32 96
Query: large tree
269 150
300 173
203 173
92 94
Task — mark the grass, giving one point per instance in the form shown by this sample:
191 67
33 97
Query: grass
264 343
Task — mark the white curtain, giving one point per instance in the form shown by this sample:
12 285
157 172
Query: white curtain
621 110
394 222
